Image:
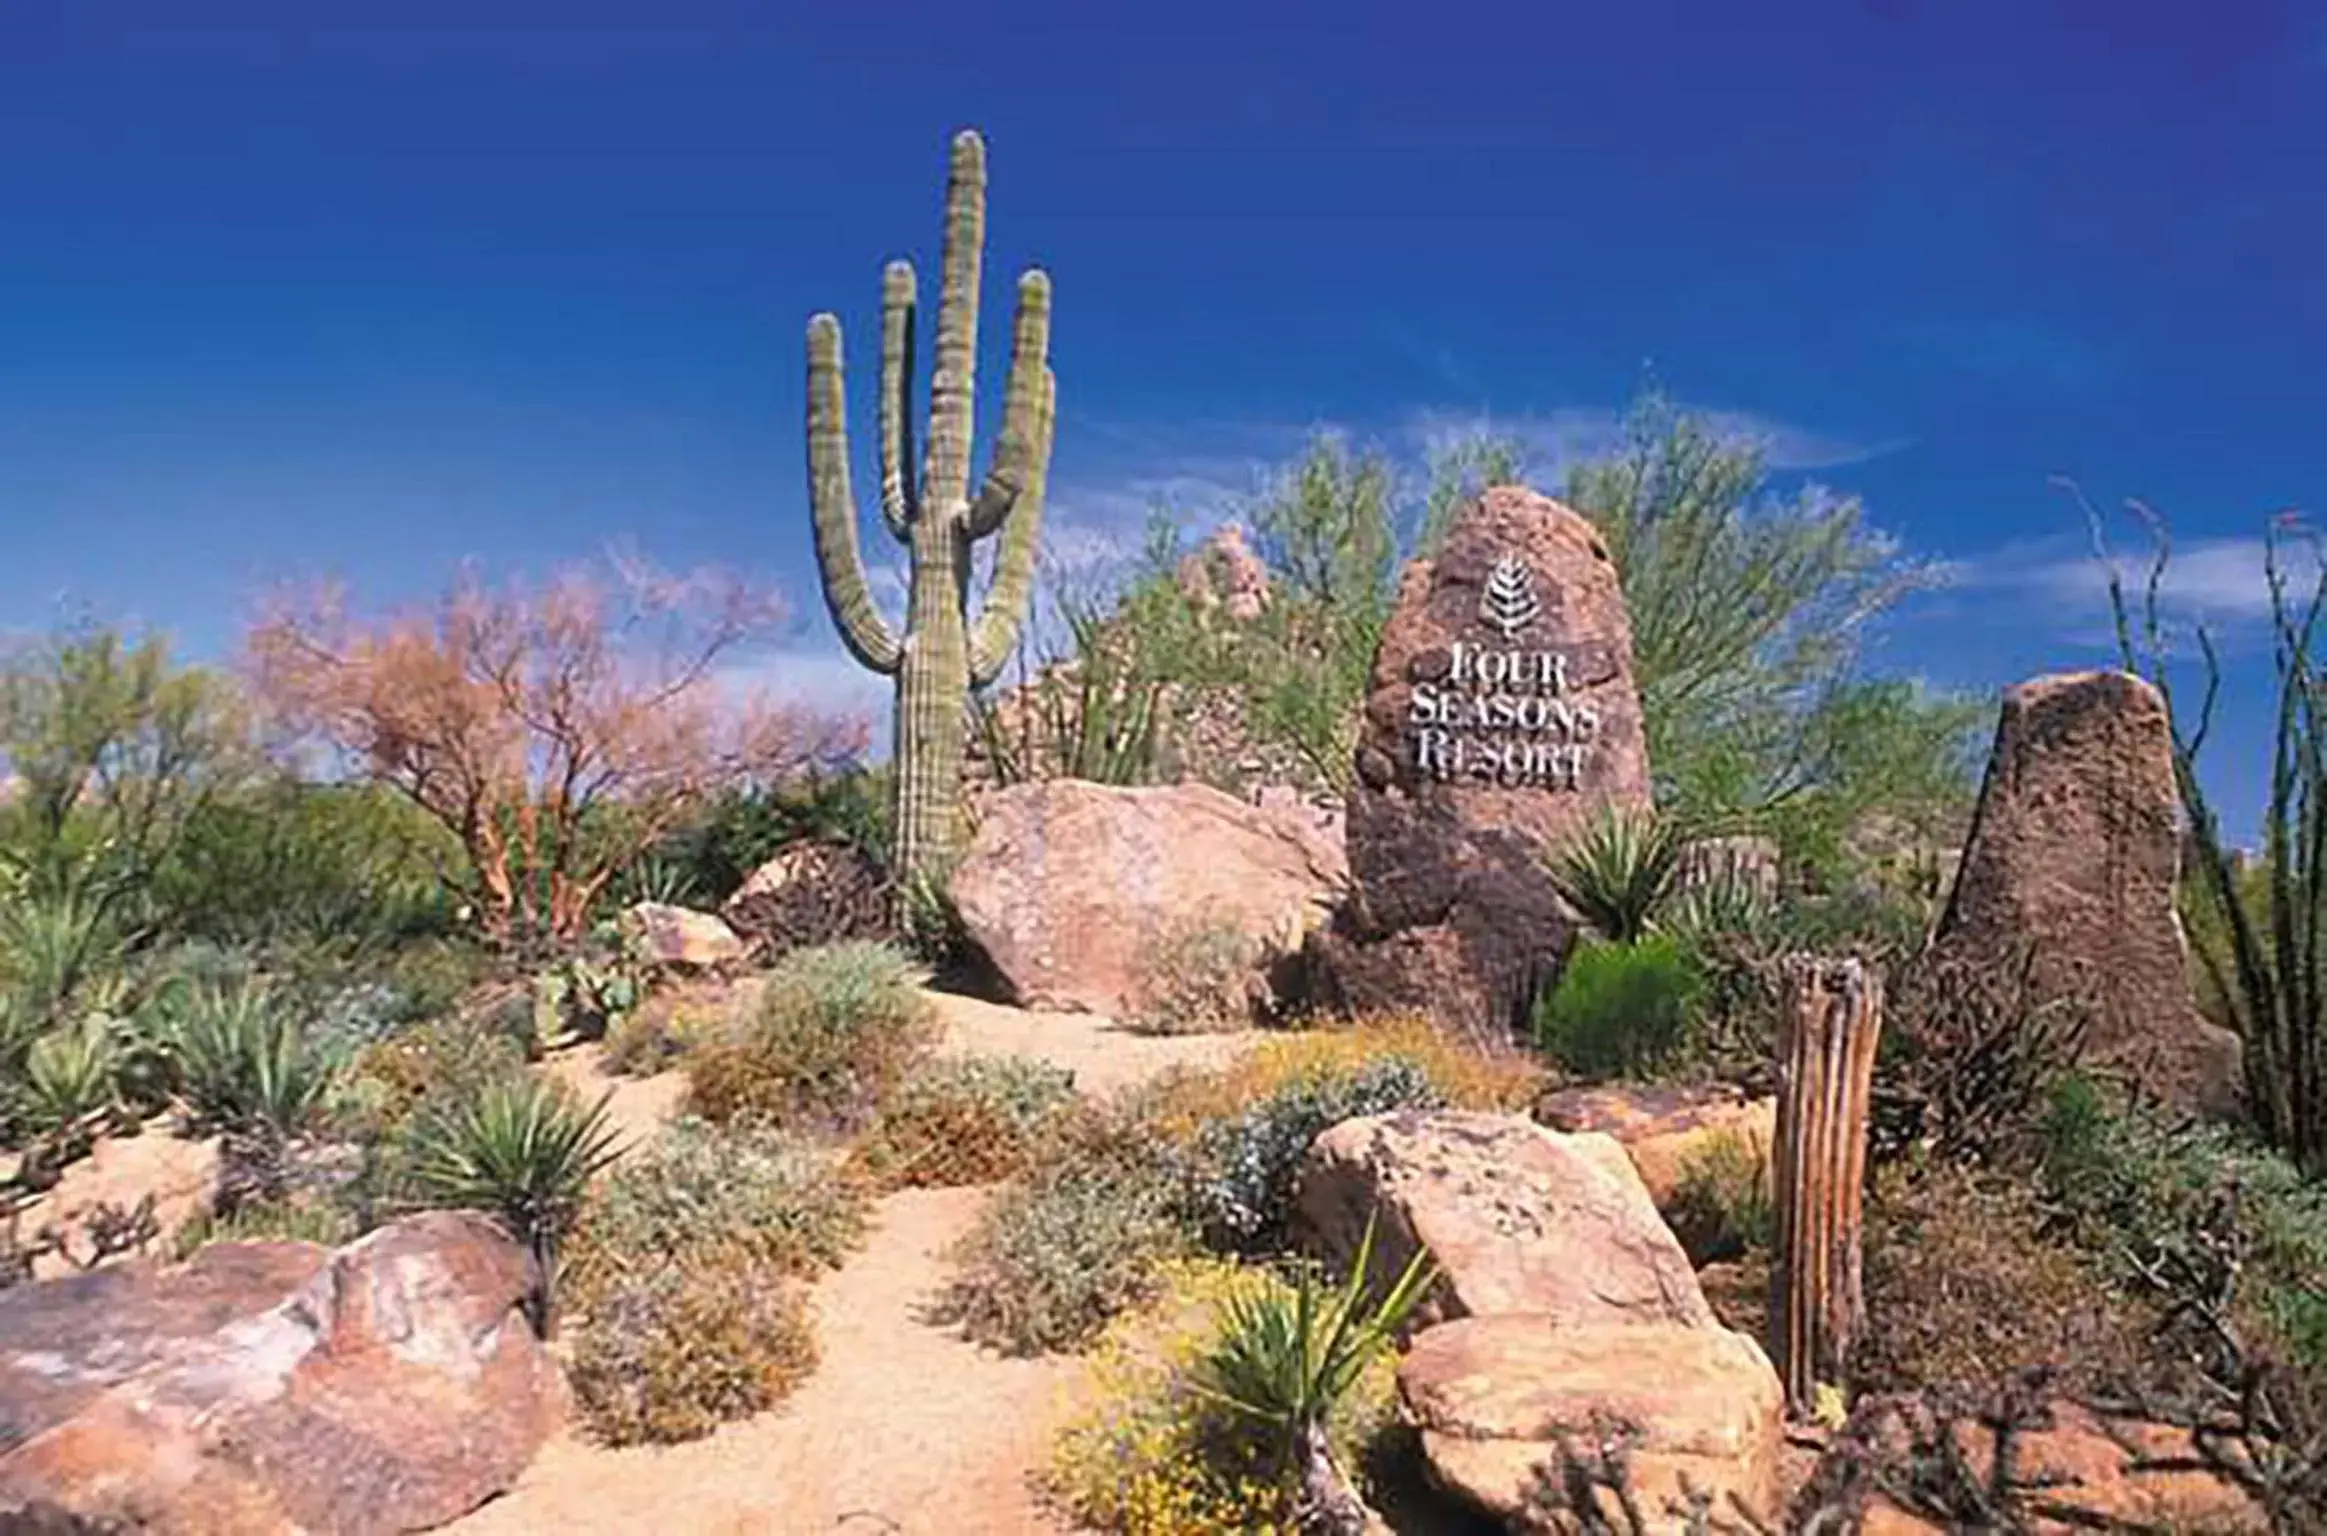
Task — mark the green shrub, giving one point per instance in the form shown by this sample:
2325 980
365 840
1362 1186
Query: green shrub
443 1061
756 1194
429 976
1290 1357
1722 1206
350 867
2154 1198
671 1351
1240 1188
294 1220
69 1077
60 955
687 1273
1967 1286
967 1120
744 828
1620 1010
836 1028
1158 1452
1058 1254
653 1039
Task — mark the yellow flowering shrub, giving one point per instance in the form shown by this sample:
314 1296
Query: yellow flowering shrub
1153 1456
1466 1077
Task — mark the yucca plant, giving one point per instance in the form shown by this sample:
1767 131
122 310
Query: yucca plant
525 1151
1619 870
1287 1357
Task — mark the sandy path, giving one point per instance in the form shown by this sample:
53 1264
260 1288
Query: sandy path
904 1429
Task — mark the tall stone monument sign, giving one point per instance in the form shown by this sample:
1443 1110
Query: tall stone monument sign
1500 717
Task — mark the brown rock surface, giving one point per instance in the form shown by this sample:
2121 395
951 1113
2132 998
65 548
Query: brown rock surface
1517 1218
2074 851
1663 1129
389 1385
1076 891
1500 715
1493 1396
2116 1474
811 892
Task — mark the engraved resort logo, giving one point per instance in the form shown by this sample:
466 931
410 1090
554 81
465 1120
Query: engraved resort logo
1509 602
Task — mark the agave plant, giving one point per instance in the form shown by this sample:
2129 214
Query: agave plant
241 1059
1619 870
52 949
523 1150
69 1080
1288 1356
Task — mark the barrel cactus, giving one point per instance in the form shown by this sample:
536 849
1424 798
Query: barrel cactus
943 652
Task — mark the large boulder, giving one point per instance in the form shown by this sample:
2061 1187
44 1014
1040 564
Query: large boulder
1500 716
1501 1401
1082 894
390 1385
2074 855
1515 1217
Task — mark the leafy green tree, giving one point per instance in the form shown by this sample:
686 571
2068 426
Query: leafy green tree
109 751
1748 610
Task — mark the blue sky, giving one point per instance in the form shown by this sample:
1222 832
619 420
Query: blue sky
281 295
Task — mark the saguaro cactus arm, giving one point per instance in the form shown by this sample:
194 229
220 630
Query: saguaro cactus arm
833 507
952 390
996 635
897 303
1025 446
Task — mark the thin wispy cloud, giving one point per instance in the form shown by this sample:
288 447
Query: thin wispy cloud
2220 586
1556 441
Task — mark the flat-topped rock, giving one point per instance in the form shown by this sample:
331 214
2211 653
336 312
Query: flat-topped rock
1498 1399
1515 1217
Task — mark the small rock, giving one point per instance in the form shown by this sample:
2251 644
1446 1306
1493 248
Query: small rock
669 935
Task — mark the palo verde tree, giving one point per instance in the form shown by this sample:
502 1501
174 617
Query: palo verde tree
941 654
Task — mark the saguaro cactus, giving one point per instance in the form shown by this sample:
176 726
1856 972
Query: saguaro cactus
942 653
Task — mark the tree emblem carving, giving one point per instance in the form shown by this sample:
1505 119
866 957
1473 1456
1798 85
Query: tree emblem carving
1509 602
